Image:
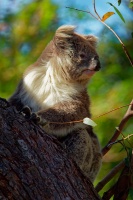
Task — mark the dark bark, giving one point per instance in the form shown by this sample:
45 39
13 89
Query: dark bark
34 165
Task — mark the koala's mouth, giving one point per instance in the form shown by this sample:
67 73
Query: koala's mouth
92 69
88 72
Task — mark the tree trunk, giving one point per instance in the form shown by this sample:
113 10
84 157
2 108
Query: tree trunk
34 165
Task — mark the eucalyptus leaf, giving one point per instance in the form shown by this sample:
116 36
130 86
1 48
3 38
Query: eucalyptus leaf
128 158
119 2
118 12
130 193
131 4
107 15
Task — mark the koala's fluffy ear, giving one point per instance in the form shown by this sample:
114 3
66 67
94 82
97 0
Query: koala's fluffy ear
62 35
92 39
65 31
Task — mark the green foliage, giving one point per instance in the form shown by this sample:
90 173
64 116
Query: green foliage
130 194
129 156
119 2
131 4
118 12
111 88
27 33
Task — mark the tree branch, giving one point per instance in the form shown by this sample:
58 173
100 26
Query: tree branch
117 132
34 165
109 176
99 19
123 46
121 188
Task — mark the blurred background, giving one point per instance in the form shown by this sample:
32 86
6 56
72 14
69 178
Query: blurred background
26 26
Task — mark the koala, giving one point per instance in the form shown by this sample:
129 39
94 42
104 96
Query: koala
55 88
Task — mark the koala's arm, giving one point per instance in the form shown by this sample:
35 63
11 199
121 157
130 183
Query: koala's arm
61 113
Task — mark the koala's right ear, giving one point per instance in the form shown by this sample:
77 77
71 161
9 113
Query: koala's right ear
62 35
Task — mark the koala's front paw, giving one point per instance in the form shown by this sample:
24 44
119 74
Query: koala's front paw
35 118
26 112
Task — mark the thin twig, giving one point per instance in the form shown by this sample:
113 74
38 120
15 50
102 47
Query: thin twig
81 120
112 111
121 140
117 132
84 11
94 5
125 138
99 19
123 46
109 176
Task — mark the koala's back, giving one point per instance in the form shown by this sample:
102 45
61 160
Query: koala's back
83 147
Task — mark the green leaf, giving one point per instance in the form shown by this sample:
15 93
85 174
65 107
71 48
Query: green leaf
117 11
130 153
131 4
132 34
128 158
130 193
119 2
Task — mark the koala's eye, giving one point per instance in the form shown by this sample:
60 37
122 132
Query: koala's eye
62 47
82 56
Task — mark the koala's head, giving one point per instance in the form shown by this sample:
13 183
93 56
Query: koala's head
72 55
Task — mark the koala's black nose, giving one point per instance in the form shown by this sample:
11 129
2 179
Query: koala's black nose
98 65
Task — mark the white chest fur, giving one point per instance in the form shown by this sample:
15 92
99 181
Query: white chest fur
47 87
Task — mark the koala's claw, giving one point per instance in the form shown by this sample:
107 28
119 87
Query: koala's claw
26 111
35 118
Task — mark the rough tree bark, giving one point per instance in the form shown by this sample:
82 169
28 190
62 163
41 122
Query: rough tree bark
34 165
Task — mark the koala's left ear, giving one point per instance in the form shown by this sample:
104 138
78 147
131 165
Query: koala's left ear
62 35
92 39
